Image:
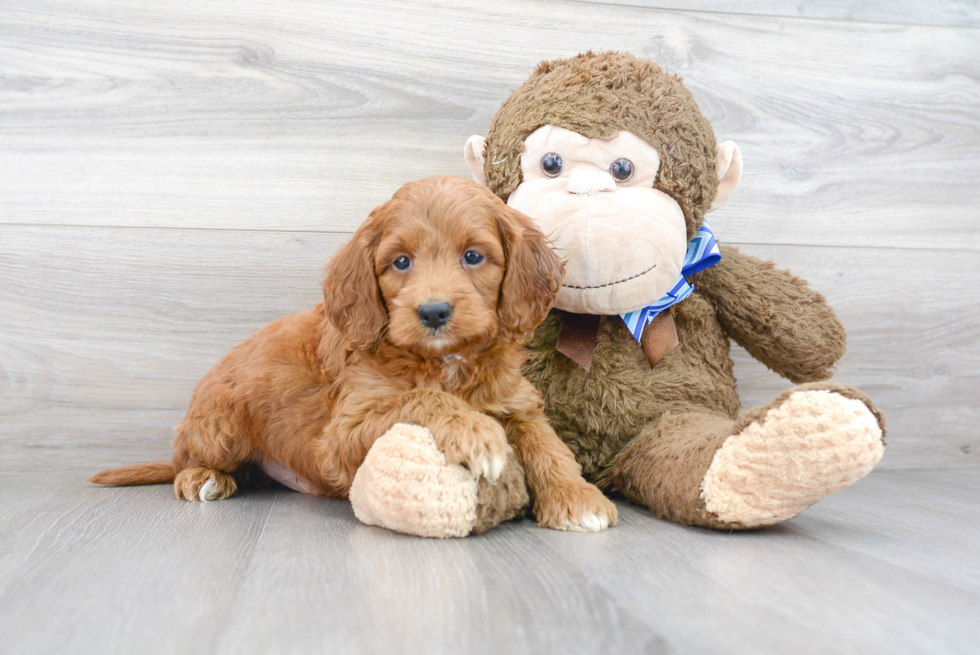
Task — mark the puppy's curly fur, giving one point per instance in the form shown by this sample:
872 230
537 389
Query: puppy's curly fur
311 392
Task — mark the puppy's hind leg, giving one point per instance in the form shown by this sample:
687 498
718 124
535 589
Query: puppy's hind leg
202 483
208 449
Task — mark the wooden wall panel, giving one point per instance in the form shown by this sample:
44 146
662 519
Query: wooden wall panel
105 332
173 175
304 115
952 13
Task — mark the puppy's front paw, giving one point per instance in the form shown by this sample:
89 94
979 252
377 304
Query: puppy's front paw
474 440
579 508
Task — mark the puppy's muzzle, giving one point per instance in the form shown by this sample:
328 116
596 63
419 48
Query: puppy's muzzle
435 314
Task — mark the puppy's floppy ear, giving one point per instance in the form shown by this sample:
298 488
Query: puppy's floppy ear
533 275
351 295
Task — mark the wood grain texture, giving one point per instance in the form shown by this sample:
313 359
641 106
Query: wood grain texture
188 167
110 571
174 175
304 115
398 594
885 566
853 601
106 331
887 518
952 13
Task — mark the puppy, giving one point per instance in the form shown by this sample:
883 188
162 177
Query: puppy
424 314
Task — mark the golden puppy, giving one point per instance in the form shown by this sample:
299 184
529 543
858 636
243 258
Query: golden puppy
425 311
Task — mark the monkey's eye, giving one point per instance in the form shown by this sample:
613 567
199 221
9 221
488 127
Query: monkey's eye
621 169
552 164
403 263
473 258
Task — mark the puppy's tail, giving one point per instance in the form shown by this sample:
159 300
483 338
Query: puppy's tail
124 476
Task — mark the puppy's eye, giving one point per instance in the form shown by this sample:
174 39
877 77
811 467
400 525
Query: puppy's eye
621 169
552 164
473 258
403 263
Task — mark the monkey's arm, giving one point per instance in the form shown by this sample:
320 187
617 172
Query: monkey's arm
774 315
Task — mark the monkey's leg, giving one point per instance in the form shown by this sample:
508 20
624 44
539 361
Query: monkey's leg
764 467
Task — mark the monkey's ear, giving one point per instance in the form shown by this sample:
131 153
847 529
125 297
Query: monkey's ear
728 162
473 152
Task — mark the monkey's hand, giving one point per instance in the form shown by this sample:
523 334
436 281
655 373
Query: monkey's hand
774 315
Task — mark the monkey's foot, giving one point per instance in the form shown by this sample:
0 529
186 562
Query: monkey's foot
807 444
406 485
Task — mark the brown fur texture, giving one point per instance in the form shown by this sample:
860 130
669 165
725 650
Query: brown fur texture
313 391
149 473
651 433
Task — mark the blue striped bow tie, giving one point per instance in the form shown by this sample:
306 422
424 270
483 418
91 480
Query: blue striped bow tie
702 253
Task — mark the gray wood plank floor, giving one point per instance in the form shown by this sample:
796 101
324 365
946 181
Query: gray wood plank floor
887 566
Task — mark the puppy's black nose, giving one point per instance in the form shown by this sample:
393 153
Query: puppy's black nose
435 314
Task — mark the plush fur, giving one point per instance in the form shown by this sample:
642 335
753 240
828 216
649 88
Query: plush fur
406 485
312 392
653 433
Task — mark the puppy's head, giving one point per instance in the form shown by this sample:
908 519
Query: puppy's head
442 266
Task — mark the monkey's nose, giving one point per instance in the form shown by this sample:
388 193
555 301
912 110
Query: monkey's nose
590 182
435 314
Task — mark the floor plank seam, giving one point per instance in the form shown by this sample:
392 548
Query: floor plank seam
911 570
232 610
615 600
188 228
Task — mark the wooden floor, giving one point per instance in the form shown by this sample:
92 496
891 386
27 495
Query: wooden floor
888 566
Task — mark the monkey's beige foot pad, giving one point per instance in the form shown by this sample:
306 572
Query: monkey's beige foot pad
406 485
813 444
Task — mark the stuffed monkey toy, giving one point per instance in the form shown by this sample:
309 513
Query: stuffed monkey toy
612 158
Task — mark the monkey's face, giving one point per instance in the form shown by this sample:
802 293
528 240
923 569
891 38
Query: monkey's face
623 240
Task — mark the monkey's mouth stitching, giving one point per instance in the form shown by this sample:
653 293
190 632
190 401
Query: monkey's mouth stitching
609 284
